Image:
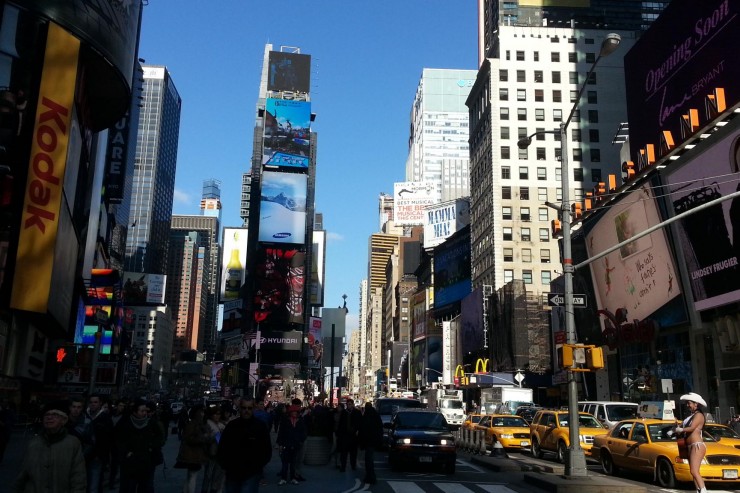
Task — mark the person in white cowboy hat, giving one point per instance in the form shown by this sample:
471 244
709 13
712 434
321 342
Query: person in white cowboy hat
691 428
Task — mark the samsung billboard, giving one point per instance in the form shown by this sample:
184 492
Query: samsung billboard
283 208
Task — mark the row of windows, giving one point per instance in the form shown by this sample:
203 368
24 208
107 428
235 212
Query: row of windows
539 76
592 97
557 115
545 276
575 133
525 234
524 214
542 191
594 154
526 255
554 56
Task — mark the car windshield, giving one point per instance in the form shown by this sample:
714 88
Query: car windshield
620 412
512 421
664 432
721 431
475 418
450 404
420 420
584 421
391 406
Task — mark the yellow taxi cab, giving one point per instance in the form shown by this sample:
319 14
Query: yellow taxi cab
511 431
723 434
649 445
550 432
471 420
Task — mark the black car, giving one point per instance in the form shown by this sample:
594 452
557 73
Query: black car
387 407
420 436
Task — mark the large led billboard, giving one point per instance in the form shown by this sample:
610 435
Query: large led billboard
233 262
452 269
279 293
289 72
283 208
314 348
471 312
710 238
287 133
143 289
641 276
410 198
687 52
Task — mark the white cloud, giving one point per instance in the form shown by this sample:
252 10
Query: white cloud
331 236
181 197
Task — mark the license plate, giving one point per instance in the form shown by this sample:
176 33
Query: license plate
729 473
524 444
425 458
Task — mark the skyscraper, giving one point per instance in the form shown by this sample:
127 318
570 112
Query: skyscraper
154 173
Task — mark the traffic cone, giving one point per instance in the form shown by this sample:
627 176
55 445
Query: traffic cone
497 450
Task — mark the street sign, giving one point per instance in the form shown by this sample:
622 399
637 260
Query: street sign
558 299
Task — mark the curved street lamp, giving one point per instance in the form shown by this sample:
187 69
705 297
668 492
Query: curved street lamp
575 460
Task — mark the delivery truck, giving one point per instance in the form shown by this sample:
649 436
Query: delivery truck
449 402
505 399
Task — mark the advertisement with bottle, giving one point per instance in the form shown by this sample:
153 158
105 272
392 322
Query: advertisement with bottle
232 263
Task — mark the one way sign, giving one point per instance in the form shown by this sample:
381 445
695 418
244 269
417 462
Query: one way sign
558 299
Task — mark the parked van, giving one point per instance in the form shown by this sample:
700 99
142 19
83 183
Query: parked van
609 412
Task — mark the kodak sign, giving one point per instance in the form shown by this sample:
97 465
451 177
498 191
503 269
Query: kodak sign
43 191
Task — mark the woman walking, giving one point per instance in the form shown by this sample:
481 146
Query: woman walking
692 430
213 476
196 441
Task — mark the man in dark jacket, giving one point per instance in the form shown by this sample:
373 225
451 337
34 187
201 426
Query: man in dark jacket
291 435
102 427
347 429
244 450
139 441
370 439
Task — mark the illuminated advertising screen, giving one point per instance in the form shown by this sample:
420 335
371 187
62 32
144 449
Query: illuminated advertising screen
279 293
687 52
641 276
289 72
287 134
710 238
233 263
314 348
471 311
452 269
283 208
400 362
410 198
143 289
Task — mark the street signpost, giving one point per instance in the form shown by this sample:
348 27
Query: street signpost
558 299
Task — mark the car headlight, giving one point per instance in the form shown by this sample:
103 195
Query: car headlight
507 435
406 441
444 441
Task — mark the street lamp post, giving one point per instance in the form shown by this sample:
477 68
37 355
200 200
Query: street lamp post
575 463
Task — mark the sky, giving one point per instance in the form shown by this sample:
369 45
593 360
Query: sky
366 63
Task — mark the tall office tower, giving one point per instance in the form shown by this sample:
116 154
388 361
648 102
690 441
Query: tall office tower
210 202
438 143
154 173
385 210
366 371
207 228
622 15
531 88
380 249
151 344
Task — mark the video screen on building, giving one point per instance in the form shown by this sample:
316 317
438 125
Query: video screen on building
289 72
233 262
452 269
287 136
279 290
283 208
143 289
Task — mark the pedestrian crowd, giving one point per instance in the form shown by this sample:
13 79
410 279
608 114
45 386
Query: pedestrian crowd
92 446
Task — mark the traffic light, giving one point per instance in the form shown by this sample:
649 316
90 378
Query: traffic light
577 210
595 358
565 356
557 229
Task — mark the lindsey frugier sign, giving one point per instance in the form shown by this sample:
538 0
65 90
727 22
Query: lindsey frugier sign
640 277
690 50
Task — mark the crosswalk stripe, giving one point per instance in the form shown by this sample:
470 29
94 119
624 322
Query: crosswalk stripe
495 488
404 487
452 488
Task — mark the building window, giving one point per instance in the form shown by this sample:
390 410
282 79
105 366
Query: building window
545 275
593 116
506 192
557 96
539 114
520 56
542 214
558 154
557 115
576 116
541 172
545 256
521 94
521 76
536 56
573 96
505 133
524 193
593 135
592 78
527 276
508 55
541 154
508 275
506 213
592 97
590 57
508 254
556 77
524 211
521 114
540 134
573 77
526 235
523 153
508 234
539 96
542 194
505 152
523 173
558 194
595 175
555 56
572 57
544 234
527 255
578 193
503 94
504 113
503 75
505 172
539 76
577 174
595 155
576 134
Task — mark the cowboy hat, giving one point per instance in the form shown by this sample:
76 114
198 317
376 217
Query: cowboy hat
694 397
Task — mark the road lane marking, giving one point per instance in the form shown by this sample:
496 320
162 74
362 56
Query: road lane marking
404 487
